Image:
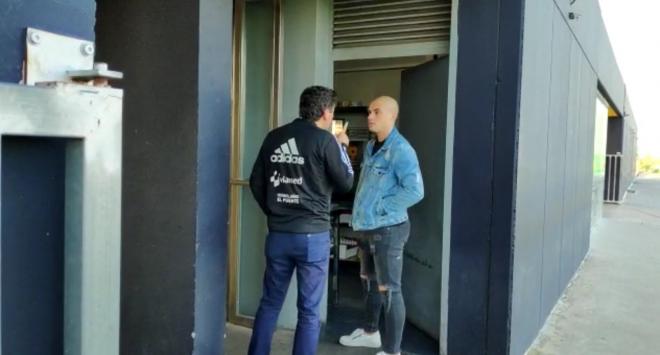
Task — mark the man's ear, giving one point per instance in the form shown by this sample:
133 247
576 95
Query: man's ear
327 112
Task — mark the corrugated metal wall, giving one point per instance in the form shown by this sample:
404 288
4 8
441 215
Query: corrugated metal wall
562 61
368 23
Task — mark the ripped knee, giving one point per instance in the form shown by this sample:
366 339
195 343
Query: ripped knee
387 292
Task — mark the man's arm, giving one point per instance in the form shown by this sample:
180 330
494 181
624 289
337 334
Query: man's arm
338 166
410 187
258 183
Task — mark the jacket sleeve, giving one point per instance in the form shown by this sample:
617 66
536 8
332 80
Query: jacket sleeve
410 186
338 166
258 183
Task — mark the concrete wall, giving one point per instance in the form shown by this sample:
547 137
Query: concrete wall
306 51
307 28
563 62
176 58
364 86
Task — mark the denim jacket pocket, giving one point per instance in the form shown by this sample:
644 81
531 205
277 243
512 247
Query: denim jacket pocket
380 208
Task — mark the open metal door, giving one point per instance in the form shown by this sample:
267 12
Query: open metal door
423 121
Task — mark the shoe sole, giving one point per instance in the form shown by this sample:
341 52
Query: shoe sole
359 346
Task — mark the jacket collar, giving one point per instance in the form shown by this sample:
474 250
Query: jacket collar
393 137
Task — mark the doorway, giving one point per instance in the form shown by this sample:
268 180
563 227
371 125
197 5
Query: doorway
419 84
406 60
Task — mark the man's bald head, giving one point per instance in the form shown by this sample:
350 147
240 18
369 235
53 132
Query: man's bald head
383 113
388 104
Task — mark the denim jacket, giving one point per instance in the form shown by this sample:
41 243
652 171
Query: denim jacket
390 182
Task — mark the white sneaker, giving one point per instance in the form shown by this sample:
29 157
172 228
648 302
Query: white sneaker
384 353
359 338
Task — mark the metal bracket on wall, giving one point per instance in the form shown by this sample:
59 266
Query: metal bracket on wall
52 57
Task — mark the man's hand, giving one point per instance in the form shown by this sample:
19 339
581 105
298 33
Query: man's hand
342 138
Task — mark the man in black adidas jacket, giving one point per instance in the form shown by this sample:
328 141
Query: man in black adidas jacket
297 169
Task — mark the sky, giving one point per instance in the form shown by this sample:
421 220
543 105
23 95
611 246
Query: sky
634 30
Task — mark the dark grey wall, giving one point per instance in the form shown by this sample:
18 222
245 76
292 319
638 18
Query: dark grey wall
489 52
423 122
614 135
564 60
32 245
176 57
155 45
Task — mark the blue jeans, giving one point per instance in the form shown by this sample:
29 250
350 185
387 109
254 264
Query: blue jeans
308 254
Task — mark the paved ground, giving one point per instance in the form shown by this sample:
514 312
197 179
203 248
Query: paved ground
238 339
611 307
613 304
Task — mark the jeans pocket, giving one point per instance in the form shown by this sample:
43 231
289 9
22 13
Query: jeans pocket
318 248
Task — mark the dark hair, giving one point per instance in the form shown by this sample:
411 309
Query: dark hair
314 100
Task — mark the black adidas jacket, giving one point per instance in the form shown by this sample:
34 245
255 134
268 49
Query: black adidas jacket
297 169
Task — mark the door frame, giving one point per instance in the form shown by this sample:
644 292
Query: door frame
92 116
236 182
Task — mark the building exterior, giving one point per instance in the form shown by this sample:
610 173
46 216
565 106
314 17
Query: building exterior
528 101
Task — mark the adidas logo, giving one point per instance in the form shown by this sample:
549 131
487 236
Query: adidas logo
288 153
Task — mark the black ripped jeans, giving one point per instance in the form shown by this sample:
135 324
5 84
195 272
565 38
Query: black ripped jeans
381 264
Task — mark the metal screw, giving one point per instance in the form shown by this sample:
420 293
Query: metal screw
573 15
35 38
87 49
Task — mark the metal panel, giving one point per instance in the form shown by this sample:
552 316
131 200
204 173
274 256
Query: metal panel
368 23
570 188
488 89
94 115
532 174
588 114
554 171
423 120
589 30
555 167
50 56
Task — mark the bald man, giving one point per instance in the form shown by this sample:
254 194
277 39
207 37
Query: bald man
390 183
